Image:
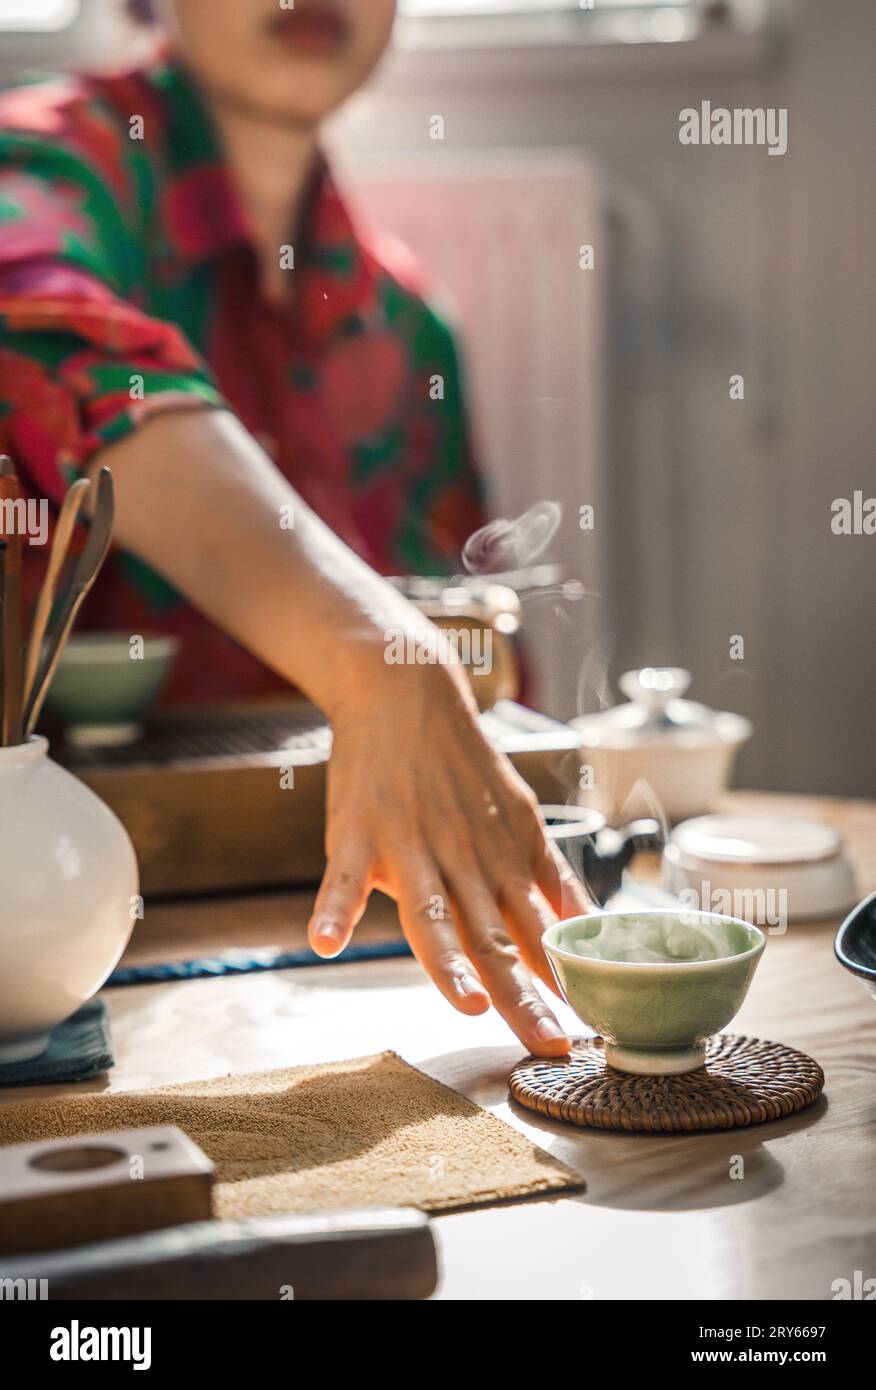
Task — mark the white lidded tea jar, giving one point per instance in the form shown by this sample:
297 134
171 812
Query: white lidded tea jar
68 875
658 751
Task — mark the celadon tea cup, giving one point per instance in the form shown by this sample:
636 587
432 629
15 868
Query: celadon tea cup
654 984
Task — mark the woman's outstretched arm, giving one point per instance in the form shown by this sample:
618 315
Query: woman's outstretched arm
419 804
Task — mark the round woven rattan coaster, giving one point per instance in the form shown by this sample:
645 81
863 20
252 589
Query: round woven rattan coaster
744 1082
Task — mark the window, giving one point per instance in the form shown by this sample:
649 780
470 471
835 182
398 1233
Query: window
576 21
480 7
38 16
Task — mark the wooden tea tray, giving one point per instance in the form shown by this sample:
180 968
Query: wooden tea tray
202 792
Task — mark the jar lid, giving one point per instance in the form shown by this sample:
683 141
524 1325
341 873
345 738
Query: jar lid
757 839
656 714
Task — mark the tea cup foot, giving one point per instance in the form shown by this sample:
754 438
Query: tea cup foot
653 1061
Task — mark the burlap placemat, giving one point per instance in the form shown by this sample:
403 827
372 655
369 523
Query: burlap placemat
365 1133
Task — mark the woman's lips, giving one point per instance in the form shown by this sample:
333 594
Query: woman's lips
309 28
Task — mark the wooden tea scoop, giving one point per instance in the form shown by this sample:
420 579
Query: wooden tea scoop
85 571
66 524
344 1255
11 701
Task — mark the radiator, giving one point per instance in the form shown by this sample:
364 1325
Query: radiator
500 238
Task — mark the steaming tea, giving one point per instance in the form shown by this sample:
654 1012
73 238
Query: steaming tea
656 984
659 938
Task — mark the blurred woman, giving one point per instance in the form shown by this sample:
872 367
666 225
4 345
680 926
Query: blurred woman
184 296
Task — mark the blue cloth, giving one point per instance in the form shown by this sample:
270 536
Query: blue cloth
249 962
78 1049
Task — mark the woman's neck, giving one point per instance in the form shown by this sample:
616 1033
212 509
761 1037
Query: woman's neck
271 165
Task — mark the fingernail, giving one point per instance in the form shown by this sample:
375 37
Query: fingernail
329 933
549 1030
468 985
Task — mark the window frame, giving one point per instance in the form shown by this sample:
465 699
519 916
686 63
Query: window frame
67 14
623 24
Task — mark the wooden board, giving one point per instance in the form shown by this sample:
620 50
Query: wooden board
72 1191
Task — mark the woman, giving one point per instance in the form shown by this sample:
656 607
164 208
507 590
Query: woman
184 297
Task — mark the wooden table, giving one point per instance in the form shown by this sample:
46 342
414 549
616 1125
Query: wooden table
661 1217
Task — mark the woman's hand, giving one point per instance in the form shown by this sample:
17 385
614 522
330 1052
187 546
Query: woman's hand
420 806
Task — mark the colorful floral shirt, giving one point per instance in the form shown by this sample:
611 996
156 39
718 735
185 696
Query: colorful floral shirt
128 286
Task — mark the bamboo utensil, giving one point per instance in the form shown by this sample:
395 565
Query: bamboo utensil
24 682
11 702
66 524
84 573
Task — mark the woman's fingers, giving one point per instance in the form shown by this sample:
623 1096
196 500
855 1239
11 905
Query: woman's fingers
528 917
424 912
341 900
500 966
559 883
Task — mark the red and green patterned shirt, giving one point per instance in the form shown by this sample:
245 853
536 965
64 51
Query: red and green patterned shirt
128 286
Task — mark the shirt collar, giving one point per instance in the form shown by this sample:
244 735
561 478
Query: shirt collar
203 217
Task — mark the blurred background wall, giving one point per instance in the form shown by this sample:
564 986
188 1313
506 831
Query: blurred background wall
712 514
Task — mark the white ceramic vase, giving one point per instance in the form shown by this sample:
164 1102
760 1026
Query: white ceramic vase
68 874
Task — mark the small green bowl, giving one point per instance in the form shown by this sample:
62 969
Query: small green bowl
654 984
102 683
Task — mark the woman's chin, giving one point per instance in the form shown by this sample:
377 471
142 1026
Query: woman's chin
299 93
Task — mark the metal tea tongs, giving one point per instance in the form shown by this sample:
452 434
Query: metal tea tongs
64 529
64 597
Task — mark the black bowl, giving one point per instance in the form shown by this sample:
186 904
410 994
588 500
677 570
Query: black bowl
855 943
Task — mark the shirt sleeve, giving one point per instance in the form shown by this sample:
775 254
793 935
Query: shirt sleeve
460 505
82 364
448 495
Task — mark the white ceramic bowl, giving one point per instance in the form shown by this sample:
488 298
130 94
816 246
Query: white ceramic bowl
768 869
675 780
68 875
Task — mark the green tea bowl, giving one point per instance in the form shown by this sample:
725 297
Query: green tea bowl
656 984
107 682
